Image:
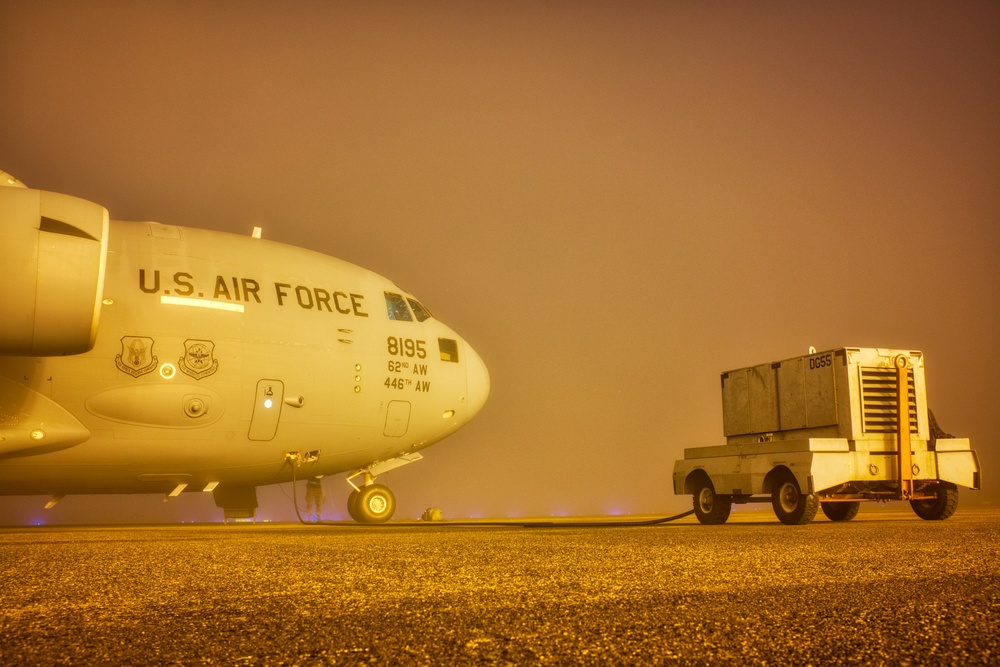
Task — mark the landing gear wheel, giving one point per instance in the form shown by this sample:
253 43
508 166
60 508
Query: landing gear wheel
840 511
791 506
711 509
352 505
374 504
940 508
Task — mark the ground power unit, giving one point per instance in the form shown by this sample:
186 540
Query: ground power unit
823 431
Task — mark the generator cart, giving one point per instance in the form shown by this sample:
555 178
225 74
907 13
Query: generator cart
823 431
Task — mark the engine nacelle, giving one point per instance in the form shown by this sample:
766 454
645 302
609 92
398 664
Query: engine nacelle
52 254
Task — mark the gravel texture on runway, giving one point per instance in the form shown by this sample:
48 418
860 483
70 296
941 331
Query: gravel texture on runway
883 589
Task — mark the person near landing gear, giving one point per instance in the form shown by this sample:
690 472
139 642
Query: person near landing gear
314 498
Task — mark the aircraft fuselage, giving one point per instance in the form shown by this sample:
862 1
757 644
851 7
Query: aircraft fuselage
216 356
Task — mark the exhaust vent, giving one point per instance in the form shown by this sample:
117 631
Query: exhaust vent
879 401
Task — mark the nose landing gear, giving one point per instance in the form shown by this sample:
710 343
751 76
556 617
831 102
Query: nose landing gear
373 503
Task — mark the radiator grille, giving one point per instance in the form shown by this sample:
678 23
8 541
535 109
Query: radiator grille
878 400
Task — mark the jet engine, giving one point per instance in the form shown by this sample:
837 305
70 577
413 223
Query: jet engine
52 250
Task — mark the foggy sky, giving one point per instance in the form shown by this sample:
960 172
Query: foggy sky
612 202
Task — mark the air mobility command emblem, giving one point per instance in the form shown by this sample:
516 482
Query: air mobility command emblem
137 356
199 359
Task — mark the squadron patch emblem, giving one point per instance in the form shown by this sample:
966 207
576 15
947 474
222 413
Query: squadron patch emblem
199 359
137 356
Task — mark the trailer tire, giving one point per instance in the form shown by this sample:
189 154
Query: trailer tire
710 508
840 511
940 508
791 506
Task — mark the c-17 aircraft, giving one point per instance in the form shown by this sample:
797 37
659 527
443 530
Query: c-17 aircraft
137 357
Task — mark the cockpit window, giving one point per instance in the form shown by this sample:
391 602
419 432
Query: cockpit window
395 307
419 311
448 349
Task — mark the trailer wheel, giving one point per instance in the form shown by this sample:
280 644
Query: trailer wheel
710 508
940 508
840 511
791 506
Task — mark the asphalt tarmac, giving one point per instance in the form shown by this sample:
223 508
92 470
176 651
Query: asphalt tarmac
886 588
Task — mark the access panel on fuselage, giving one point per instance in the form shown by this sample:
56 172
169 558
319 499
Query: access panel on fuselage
397 419
266 409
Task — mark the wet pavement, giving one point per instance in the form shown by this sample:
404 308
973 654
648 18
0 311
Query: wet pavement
883 589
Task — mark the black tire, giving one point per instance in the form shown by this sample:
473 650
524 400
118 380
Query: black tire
939 508
791 506
352 505
840 511
375 504
711 509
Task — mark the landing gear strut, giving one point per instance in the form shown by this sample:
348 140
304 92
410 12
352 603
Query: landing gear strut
374 503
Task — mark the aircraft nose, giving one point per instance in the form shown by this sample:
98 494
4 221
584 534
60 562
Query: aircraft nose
478 382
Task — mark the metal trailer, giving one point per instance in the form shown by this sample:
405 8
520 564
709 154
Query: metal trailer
821 431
